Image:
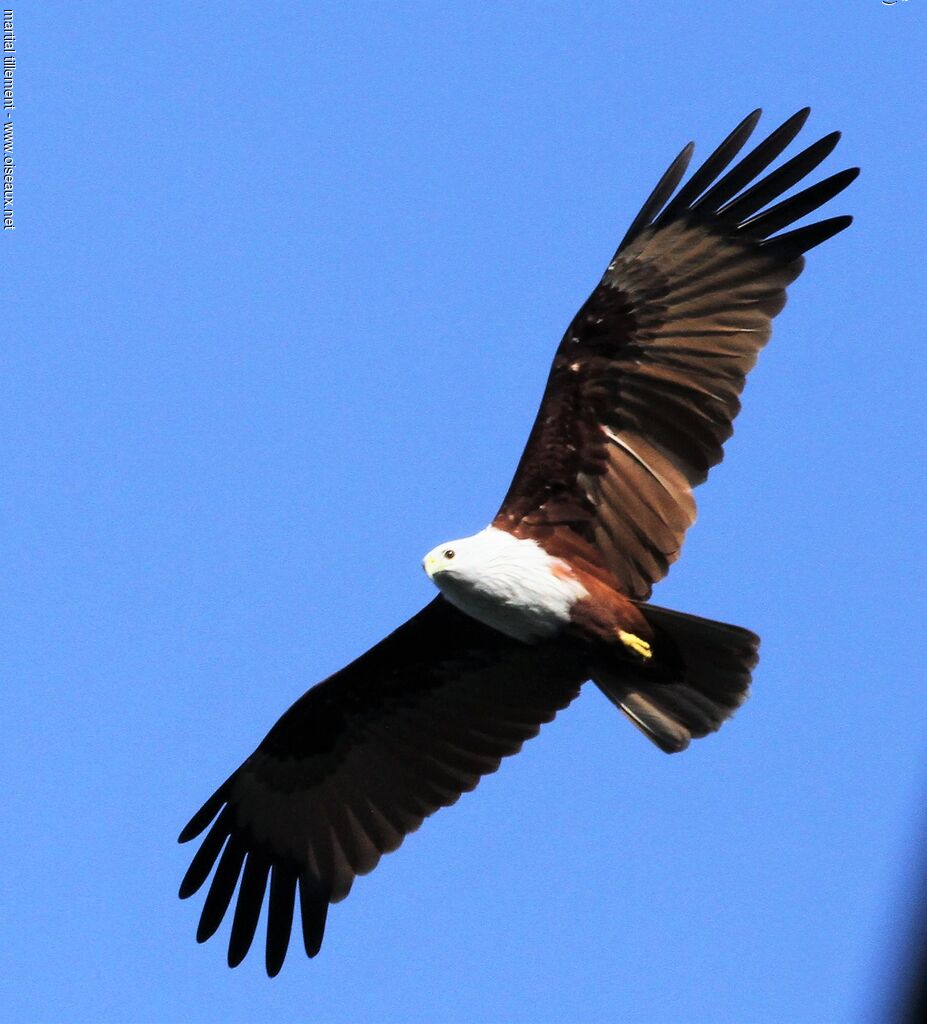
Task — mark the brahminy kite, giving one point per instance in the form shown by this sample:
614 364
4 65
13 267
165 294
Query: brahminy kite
553 592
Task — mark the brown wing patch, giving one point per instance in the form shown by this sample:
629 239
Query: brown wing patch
646 383
357 763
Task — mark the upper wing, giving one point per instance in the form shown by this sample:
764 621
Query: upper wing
645 384
359 761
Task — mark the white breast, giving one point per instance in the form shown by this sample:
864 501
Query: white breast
509 584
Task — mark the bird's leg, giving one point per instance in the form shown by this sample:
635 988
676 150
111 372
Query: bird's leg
635 643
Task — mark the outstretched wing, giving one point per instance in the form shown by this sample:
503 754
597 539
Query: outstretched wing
359 761
645 384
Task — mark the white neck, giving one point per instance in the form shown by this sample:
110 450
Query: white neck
509 584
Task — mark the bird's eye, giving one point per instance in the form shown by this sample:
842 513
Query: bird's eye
449 553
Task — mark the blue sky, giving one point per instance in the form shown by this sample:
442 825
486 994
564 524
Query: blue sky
286 282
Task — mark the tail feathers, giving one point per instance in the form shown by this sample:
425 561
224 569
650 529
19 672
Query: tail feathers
698 676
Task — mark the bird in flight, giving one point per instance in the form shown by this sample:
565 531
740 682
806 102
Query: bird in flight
553 592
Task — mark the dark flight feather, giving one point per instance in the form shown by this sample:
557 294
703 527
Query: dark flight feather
359 761
645 385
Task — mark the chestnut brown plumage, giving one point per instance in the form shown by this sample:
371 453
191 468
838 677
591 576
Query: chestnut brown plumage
646 382
641 398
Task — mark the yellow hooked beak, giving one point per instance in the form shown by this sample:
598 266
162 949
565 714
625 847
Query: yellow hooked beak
438 560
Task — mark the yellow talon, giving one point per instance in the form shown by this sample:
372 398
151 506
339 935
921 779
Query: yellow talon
636 643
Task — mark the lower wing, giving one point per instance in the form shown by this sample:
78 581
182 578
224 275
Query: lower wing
358 762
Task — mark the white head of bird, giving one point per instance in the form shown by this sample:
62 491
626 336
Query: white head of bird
506 582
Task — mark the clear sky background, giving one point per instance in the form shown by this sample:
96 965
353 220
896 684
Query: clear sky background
281 299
